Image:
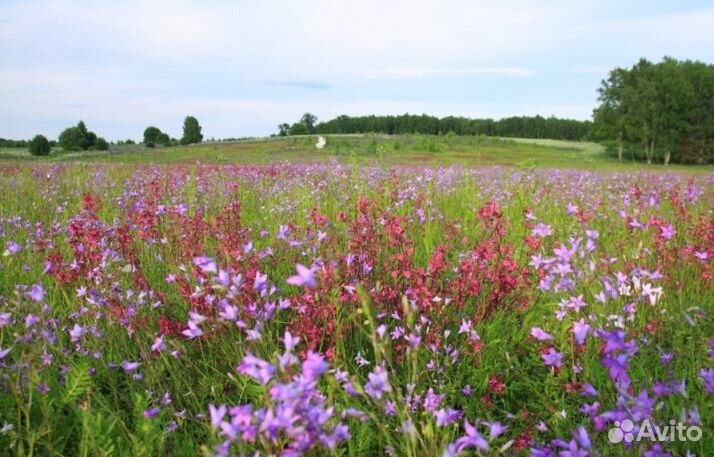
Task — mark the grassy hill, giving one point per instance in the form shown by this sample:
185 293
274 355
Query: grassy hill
403 149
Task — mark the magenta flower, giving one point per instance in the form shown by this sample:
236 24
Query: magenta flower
472 439
260 281
701 255
563 253
158 344
290 341
31 320
256 368
247 247
542 230
314 366
707 376
11 248
378 383
217 415
223 278
552 358
413 340
339 434
36 293
667 232
130 367
229 313
76 333
305 277
615 340
283 232
497 429
205 264
580 331
577 303
617 368
539 334
192 331
447 416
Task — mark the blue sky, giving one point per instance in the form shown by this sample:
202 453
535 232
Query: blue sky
242 67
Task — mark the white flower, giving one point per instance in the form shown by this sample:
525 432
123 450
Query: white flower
625 290
320 143
653 293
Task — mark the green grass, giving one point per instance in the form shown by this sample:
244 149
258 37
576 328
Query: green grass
391 150
102 414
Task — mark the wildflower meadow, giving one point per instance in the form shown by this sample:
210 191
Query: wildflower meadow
354 310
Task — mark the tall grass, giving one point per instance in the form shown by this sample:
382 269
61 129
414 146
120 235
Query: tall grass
133 233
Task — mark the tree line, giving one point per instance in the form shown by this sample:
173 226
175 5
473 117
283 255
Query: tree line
661 112
517 126
80 138
191 134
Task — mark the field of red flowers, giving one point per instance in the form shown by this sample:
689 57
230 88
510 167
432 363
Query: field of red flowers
314 310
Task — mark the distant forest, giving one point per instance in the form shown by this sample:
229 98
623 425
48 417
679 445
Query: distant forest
519 127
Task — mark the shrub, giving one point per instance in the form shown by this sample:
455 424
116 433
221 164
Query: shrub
100 144
298 128
191 131
150 135
163 139
39 146
78 138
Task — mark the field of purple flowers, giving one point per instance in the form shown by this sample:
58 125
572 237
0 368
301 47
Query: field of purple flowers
288 310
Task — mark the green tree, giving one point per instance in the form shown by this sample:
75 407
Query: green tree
85 140
309 120
39 146
77 138
283 129
71 139
661 112
163 139
191 131
675 99
298 128
100 144
523 126
610 117
150 134
698 146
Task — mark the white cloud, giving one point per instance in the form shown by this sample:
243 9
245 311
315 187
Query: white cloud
420 72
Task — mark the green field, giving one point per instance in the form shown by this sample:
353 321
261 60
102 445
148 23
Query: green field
395 150
536 304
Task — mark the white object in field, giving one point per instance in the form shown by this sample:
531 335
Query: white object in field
320 143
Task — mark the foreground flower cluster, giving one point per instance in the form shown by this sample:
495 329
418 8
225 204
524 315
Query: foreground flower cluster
323 310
